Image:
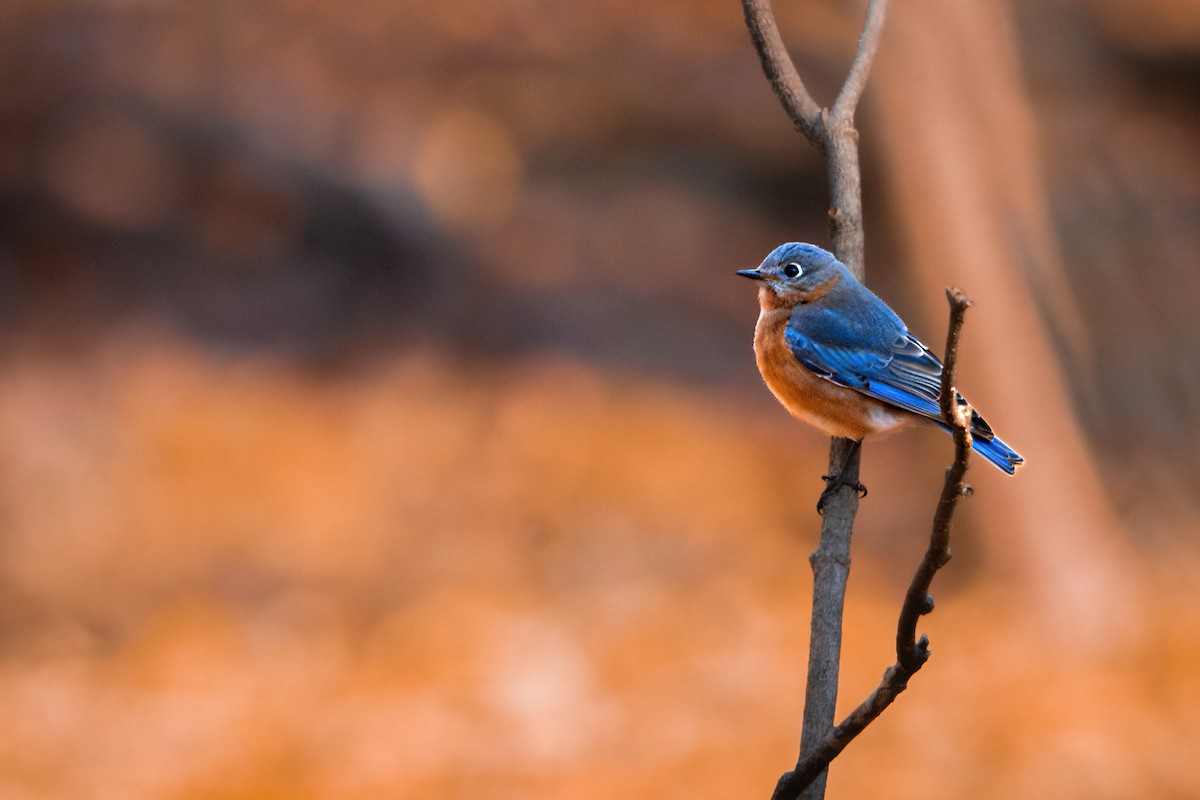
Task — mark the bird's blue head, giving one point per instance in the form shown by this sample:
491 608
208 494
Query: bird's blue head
796 271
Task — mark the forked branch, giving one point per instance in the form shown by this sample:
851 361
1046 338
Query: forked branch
911 652
833 133
808 116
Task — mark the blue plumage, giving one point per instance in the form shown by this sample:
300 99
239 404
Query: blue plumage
842 332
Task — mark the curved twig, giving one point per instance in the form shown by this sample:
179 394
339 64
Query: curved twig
911 652
806 114
864 56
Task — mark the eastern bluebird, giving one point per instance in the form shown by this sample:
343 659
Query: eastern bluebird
838 358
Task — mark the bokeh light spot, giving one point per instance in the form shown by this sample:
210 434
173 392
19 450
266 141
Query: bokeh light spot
113 171
468 169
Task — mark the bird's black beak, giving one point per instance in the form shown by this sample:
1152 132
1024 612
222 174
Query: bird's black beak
752 274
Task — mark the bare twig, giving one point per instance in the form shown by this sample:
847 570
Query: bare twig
911 652
831 570
778 66
835 136
868 43
807 115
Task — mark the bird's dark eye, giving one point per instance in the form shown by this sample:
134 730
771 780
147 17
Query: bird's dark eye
791 270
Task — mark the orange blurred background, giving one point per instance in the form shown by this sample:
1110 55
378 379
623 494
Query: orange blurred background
379 418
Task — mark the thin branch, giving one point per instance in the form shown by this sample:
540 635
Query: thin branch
839 144
806 114
864 55
911 653
831 572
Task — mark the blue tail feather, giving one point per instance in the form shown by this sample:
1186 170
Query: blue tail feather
994 450
998 453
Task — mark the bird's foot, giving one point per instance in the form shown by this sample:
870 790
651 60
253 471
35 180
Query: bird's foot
832 484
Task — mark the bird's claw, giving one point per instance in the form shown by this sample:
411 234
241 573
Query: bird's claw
832 484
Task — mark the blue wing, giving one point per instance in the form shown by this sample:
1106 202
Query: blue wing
873 353
870 351
900 371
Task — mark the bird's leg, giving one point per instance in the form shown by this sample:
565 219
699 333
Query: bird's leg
838 480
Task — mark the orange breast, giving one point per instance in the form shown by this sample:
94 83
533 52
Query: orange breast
834 409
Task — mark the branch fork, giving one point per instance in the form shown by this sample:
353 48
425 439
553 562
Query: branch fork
832 132
911 651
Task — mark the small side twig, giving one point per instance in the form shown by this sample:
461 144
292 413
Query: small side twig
911 652
864 56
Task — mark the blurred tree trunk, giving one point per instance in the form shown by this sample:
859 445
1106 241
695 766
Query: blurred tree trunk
960 148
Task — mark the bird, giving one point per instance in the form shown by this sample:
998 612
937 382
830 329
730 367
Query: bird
837 357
